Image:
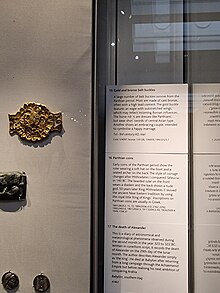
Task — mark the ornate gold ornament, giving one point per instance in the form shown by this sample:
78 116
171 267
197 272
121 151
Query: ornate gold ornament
34 122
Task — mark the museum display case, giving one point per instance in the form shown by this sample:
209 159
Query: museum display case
158 90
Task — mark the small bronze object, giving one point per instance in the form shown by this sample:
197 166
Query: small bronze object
41 283
13 185
34 122
10 281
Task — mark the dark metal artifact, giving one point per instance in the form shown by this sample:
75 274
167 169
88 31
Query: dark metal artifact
13 185
34 122
41 283
10 281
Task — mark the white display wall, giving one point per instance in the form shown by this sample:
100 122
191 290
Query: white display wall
45 56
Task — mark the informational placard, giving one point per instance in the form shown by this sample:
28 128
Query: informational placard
207 258
140 256
147 118
146 187
207 189
206 113
207 222
206 162
146 190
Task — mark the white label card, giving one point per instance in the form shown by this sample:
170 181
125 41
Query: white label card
207 189
150 118
146 227
147 188
207 258
152 256
206 115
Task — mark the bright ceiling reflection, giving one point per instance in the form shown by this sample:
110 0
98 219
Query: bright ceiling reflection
204 35
148 7
161 33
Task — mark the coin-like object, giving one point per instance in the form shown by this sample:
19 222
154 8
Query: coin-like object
41 283
10 281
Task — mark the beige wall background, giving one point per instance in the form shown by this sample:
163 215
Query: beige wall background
45 57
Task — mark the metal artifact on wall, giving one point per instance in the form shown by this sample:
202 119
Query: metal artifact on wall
10 281
41 283
34 122
13 185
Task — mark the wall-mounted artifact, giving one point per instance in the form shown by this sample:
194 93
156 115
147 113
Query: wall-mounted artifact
10 281
34 122
13 185
41 283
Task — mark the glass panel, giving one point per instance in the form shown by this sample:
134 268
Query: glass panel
204 41
151 34
162 42
158 35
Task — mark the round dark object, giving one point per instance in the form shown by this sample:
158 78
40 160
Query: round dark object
41 283
10 281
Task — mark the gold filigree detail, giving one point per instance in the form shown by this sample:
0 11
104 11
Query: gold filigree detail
34 122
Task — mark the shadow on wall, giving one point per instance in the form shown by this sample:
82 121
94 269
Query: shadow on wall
12 206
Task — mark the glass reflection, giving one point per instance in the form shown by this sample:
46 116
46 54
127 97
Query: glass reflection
203 35
170 36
